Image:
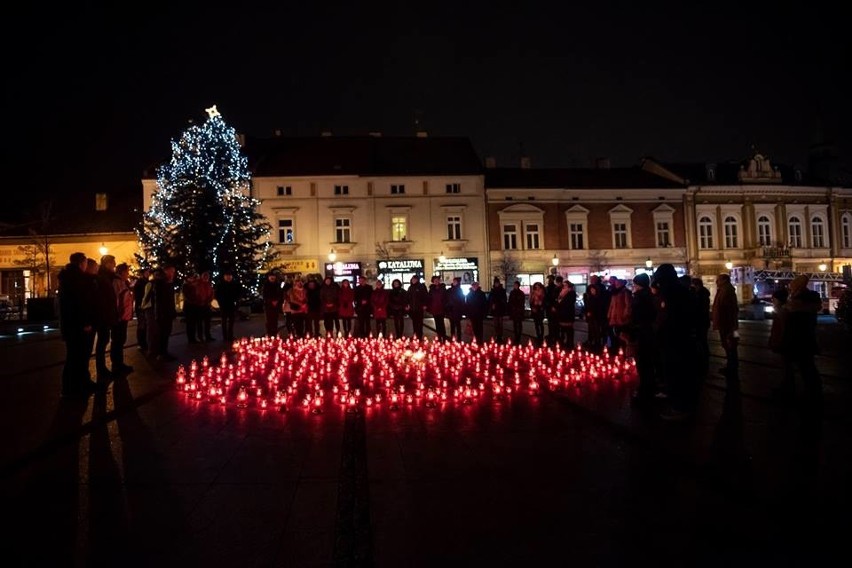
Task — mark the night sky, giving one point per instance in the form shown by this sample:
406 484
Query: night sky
95 94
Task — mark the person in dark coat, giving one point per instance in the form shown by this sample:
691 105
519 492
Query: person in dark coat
418 300
346 309
476 308
673 324
106 314
437 300
724 315
76 322
702 319
538 303
551 295
160 311
799 344
454 303
498 306
517 311
314 307
363 307
227 292
142 279
273 296
643 314
330 299
397 303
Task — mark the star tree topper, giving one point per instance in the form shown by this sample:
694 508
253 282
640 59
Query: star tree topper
212 112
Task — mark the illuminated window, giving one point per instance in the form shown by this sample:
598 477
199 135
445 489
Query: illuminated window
399 227
100 202
286 231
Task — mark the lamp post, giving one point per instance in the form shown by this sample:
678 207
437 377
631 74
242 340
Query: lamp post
648 263
441 258
103 249
729 265
823 267
332 256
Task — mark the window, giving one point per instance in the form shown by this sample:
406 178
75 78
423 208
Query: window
846 231
817 233
100 202
284 190
764 231
342 230
510 237
575 231
795 229
663 235
286 231
397 189
532 235
399 227
705 233
619 235
731 233
341 190
453 188
454 228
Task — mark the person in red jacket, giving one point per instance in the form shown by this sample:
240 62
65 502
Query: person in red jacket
379 303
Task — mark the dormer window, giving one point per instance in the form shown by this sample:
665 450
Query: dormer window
100 202
711 173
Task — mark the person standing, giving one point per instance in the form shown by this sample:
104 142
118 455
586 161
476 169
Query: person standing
497 307
227 293
674 338
437 299
455 308
800 344
330 300
312 288
297 298
418 299
363 294
125 304
273 295
618 313
551 297
138 294
537 311
160 310
725 314
396 306
192 309
106 314
76 320
346 309
642 317
379 300
566 312
517 311
702 320
476 308
205 302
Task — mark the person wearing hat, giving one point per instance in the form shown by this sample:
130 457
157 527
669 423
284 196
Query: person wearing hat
643 314
227 292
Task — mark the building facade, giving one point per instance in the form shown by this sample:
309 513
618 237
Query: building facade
578 222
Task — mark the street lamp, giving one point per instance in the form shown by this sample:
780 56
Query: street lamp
441 258
823 267
729 265
648 263
332 256
555 260
103 249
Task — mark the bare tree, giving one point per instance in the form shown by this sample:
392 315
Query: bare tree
382 251
597 261
37 255
507 267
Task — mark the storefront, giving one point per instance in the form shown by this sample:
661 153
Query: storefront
340 271
402 269
466 268
298 268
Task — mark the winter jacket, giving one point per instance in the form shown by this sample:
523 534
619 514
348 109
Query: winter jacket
437 298
227 295
330 298
725 309
517 304
454 302
397 301
476 304
346 302
106 303
498 304
379 301
619 307
418 298
76 297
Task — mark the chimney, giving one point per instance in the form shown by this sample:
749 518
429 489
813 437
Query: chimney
376 134
490 162
326 133
422 134
602 163
526 163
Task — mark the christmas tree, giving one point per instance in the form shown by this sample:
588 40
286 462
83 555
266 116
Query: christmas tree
202 217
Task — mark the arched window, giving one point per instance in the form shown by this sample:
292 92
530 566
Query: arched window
705 232
795 230
731 233
846 231
764 231
817 233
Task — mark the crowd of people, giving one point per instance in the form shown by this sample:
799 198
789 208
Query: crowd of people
662 322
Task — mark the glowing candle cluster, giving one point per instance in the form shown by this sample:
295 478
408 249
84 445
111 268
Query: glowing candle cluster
315 373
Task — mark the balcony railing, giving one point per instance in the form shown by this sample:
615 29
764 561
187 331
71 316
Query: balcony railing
775 252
